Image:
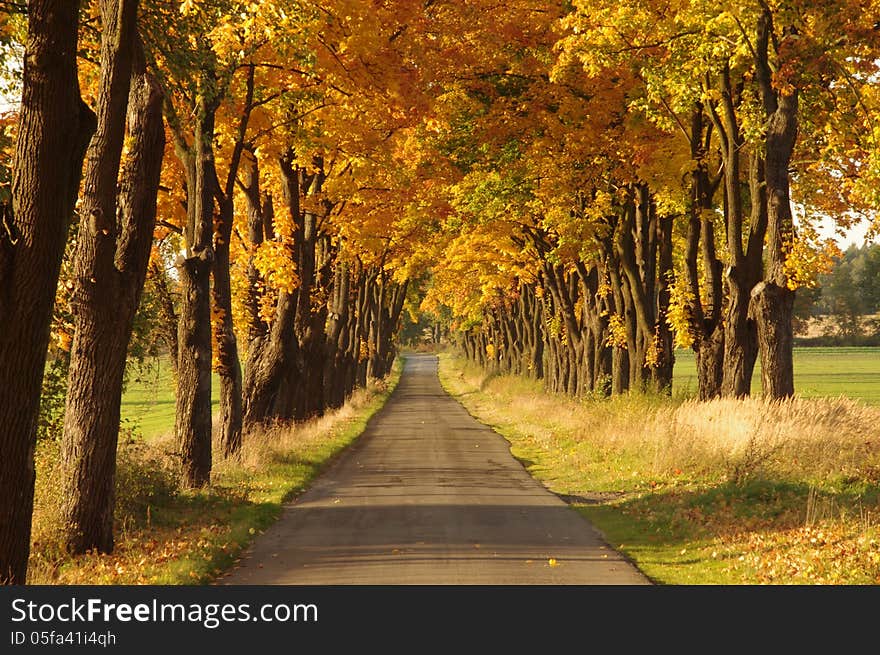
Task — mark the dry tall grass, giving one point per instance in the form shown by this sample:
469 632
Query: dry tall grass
812 440
271 442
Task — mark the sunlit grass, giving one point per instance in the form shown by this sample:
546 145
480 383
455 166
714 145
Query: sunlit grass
149 399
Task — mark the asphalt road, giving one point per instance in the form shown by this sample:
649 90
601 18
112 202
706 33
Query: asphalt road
428 495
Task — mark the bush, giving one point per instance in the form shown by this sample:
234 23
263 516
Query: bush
870 340
50 420
145 477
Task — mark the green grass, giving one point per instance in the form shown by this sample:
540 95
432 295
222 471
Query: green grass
832 371
148 400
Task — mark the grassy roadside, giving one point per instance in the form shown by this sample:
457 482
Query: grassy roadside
729 492
169 536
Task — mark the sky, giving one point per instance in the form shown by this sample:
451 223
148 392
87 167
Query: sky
856 235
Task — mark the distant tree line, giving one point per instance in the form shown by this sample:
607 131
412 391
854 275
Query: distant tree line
845 302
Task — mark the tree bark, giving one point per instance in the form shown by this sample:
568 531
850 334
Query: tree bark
53 133
705 322
228 364
193 408
192 426
336 335
661 368
271 350
637 253
158 279
743 271
110 271
258 204
100 308
268 359
773 300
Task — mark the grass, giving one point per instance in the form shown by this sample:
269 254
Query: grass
148 400
818 372
726 492
170 536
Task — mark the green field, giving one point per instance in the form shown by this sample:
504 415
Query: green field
148 401
833 371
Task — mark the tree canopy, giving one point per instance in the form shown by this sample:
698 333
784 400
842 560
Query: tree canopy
573 189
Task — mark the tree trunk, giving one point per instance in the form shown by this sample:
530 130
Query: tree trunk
740 337
705 322
103 302
377 300
271 350
710 364
257 204
772 307
773 300
636 249
268 358
315 345
228 364
336 334
620 376
193 409
664 359
53 133
158 279
192 426
104 312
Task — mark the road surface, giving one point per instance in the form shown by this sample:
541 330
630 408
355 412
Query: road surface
428 495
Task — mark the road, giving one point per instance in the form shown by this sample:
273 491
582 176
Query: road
428 495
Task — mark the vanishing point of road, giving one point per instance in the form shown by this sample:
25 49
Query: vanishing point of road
428 495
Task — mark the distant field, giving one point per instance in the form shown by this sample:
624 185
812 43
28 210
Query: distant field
837 371
148 401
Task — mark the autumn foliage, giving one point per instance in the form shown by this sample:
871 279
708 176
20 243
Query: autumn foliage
573 188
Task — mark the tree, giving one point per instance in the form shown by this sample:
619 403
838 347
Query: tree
110 265
190 49
53 133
